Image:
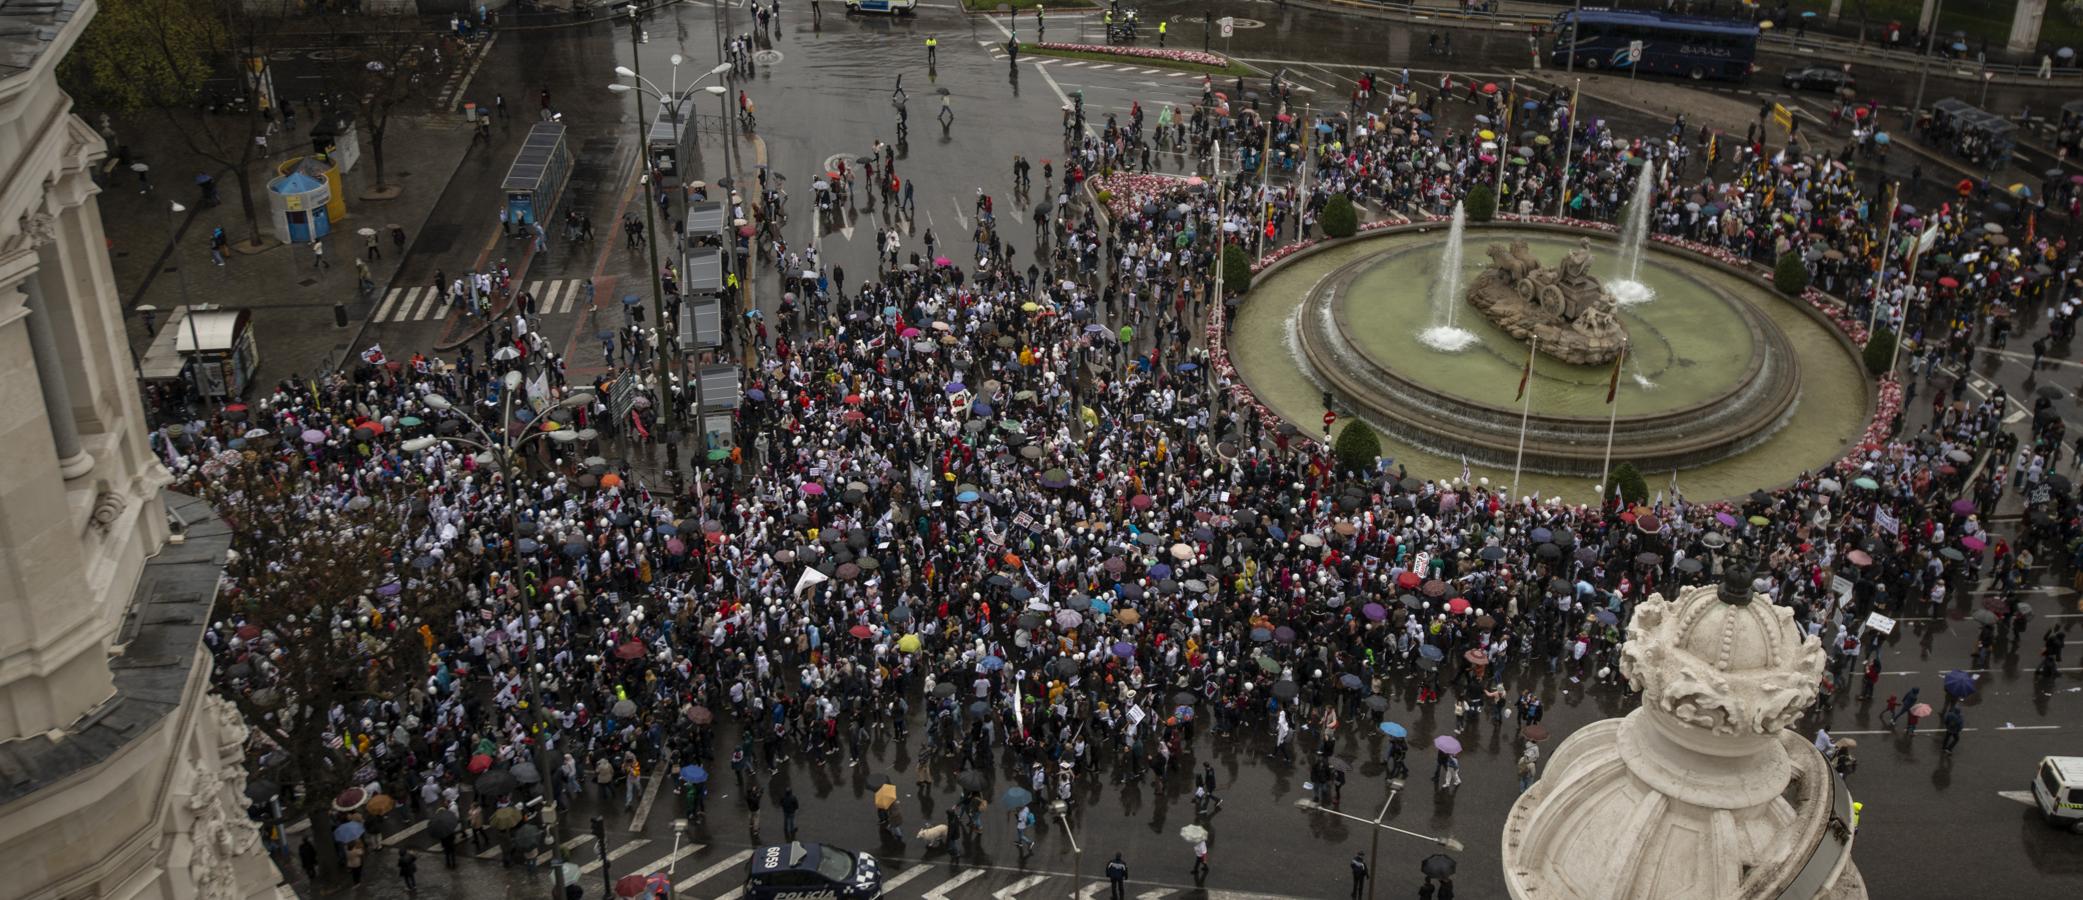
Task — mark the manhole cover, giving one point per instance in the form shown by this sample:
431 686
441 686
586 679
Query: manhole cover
766 57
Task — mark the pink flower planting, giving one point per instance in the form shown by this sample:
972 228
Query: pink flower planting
1185 56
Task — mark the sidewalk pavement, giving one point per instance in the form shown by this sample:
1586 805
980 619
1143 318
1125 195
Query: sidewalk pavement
292 301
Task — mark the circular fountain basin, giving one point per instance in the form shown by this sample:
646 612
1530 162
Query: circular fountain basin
1718 372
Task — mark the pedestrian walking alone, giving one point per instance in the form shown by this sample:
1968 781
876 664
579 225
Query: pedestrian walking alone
1117 877
408 870
1200 860
1359 866
1955 722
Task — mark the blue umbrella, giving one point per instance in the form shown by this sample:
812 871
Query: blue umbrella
1959 684
993 664
756 395
981 408
1431 651
1101 606
1124 649
955 387
693 774
526 546
966 497
348 832
1015 797
667 529
1393 730
631 299
1161 571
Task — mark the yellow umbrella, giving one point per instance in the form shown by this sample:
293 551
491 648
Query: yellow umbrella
886 796
1486 134
908 643
381 804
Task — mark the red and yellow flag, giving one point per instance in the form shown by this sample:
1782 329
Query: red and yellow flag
1525 375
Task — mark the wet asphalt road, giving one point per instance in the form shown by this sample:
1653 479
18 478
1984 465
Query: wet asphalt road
828 93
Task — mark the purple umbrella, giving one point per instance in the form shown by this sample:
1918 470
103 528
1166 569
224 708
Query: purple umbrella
955 387
1284 634
1447 744
1161 571
1374 612
1963 506
1124 649
314 436
1725 519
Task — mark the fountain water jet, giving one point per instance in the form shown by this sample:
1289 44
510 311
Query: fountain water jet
1627 287
1443 335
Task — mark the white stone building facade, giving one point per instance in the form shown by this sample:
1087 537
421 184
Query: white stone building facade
120 775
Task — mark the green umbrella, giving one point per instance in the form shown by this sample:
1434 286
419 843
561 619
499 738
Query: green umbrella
410 421
1269 665
1865 482
719 455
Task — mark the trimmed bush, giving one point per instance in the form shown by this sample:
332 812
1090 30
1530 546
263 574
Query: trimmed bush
1236 270
1357 447
1628 484
1481 203
1340 220
1880 350
1790 276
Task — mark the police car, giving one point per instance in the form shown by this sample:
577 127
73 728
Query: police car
2058 790
799 871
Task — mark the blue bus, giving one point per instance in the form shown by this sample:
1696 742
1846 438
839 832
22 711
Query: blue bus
1695 47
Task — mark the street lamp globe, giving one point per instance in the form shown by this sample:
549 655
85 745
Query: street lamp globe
620 88
625 71
717 89
513 380
438 402
676 59
720 69
419 444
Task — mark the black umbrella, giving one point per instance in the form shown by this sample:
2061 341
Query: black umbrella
443 823
1378 703
524 772
494 784
970 780
260 790
1438 865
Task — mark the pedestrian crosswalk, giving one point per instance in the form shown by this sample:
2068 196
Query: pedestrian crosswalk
553 296
711 872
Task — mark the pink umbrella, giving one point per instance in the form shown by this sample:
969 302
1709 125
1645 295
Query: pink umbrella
1974 543
313 436
1141 501
676 546
1921 710
942 261
1447 744
908 333
813 488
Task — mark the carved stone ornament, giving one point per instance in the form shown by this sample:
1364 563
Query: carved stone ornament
39 228
107 509
217 836
1723 667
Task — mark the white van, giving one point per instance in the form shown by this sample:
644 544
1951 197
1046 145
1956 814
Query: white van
2058 789
893 7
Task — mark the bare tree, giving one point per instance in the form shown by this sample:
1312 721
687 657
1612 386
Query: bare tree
389 76
339 612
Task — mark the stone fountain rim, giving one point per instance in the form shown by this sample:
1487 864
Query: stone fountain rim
1763 330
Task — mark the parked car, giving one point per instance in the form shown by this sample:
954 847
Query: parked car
1816 78
893 7
2058 790
800 871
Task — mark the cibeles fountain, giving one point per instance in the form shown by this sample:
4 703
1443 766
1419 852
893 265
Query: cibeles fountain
1701 793
1705 374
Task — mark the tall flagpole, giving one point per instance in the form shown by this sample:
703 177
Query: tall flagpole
1916 255
1504 134
1569 146
1605 469
1881 270
1525 411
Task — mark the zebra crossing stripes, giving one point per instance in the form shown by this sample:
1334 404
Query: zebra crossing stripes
735 859
553 296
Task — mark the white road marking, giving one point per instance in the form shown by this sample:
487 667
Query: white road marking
941 892
1012 890
390 299
734 859
615 854
891 884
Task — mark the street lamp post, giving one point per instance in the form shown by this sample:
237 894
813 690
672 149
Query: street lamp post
1077 854
506 451
660 367
1374 851
173 245
1924 66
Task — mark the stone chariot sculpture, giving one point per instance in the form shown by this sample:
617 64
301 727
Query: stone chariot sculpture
1565 307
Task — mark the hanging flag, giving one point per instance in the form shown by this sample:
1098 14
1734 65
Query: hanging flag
1525 375
374 355
1613 383
1927 240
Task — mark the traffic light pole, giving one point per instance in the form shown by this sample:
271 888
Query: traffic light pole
600 842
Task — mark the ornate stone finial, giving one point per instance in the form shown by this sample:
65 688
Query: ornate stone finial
1737 577
1721 666
39 228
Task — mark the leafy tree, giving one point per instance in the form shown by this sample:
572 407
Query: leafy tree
1340 220
1790 276
155 57
389 74
142 54
1481 203
1236 270
1880 350
1357 447
1626 482
307 571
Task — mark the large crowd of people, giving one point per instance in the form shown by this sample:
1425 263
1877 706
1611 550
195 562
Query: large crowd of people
1001 502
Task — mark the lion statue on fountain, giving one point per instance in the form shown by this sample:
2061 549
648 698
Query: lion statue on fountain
1565 307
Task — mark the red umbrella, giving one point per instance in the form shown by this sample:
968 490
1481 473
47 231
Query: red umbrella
630 650
629 886
1458 605
249 631
861 631
1409 581
1949 282
1141 501
1647 524
351 799
1479 657
1490 87
480 763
